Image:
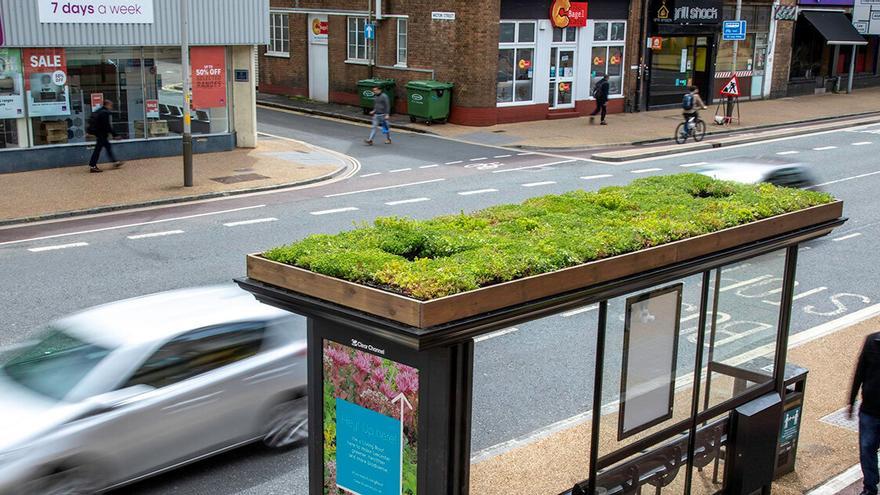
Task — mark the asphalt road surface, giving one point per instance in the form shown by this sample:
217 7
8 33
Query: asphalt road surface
526 379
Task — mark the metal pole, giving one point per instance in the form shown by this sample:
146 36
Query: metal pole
598 377
729 109
187 95
698 372
852 68
788 280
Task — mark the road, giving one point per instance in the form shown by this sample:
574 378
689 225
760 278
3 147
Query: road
56 268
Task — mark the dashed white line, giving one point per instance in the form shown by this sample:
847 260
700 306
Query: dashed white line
600 176
372 175
335 210
502 156
478 191
383 188
250 222
455 162
524 154
532 166
407 201
429 166
857 234
695 164
823 148
479 159
499 333
155 234
838 180
569 314
537 184
646 170
57 247
862 143
743 283
792 152
399 170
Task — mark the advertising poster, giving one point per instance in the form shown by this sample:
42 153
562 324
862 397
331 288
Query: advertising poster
11 84
208 77
319 30
97 101
152 109
45 81
96 11
371 417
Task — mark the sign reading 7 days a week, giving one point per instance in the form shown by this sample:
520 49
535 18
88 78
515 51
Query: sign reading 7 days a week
96 11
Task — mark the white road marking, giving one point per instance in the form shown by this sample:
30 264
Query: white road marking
335 210
455 162
130 225
407 201
646 170
695 164
536 184
840 482
735 268
478 191
479 159
155 234
801 296
502 156
371 175
524 154
533 166
499 333
743 283
600 176
429 166
850 236
844 179
250 222
399 170
823 148
788 152
862 143
57 247
383 188
569 314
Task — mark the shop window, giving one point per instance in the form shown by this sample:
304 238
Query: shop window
402 26
607 55
279 35
566 35
600 31
515 62
745 56
359 48
12 98
618 31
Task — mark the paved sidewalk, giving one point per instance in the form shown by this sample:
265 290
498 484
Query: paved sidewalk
336 111
275 163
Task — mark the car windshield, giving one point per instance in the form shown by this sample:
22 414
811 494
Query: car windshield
55 365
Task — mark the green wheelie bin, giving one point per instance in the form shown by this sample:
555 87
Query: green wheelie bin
365 90
428 101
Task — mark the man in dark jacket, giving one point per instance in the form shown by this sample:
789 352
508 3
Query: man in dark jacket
101 126
600 93
381 109
867 378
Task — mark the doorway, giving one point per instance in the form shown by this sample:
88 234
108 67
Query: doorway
319 66
562 77
680 62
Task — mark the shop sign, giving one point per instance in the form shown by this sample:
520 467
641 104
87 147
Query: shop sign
319 32
866 17
564 13
655 43
45 81
208 76
843 3
370 421
96 11
11 84
688 12
152 107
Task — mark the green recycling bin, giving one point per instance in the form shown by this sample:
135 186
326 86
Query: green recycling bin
428 101
365 90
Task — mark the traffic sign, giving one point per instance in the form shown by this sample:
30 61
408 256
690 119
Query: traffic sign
734 30
369 31
731 88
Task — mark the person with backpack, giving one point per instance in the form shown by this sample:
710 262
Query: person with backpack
600 93
689 103
101 126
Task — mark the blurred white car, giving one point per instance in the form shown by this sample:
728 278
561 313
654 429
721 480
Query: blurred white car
137 387
756 170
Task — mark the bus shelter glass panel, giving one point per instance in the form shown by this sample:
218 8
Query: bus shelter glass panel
532 392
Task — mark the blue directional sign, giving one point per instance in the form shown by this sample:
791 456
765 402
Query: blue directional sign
734 30
370 31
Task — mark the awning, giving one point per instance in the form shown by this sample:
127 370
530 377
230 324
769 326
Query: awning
835 27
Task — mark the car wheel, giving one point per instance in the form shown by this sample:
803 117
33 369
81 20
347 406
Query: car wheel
75 480
288 423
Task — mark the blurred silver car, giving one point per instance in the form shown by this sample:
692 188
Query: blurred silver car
755 170
134 388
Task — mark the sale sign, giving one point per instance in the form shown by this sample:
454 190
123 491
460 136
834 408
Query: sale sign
152 109
208 76
45 81
96 11
97 101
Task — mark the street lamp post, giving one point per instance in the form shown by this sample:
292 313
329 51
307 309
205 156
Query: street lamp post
187 96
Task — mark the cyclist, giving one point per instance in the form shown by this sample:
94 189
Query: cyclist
689 104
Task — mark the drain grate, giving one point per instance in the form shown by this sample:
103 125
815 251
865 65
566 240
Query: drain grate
838 418
235 179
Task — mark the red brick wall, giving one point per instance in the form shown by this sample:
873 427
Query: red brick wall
288 75
782 55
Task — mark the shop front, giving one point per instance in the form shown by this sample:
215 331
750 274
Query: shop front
750 63
56 69
682 46
549 64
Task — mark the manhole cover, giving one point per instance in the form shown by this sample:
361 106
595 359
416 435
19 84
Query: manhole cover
235 179
838 418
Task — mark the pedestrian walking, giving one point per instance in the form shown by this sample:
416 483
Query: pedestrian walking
600 93
381 109
101 126
867 377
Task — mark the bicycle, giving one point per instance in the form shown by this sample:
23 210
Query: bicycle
694 127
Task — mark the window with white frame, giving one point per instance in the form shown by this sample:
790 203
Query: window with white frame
402 26
279 35
360 49
516 56
609 39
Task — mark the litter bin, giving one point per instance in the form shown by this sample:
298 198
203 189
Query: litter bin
365 89
428 100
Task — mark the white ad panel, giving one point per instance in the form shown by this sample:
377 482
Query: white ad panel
866 16
96 11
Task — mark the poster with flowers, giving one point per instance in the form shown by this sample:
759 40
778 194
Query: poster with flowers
368 448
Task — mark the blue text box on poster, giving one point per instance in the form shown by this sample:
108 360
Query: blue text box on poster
367 451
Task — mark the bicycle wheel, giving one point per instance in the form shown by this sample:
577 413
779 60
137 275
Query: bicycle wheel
681 133
699 130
